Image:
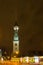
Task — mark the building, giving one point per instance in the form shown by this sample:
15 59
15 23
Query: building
16 41
0 53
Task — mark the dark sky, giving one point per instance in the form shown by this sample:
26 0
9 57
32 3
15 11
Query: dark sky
29 16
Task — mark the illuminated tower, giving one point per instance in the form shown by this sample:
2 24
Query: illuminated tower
16 40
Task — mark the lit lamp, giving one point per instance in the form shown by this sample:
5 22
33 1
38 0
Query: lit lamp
17 52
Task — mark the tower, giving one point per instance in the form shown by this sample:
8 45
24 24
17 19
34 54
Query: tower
16 40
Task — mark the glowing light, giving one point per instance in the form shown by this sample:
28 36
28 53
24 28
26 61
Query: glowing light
14 56
31 60
16 28
15 59
2 59
17 52
41 56
27 59
21 59
36 59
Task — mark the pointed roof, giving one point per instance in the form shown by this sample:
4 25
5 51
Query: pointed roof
16 24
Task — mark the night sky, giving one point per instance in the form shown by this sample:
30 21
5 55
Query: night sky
29 17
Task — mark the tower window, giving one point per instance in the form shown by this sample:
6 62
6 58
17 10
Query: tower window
15 48
15 44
